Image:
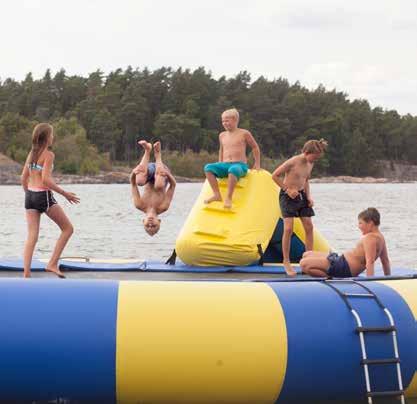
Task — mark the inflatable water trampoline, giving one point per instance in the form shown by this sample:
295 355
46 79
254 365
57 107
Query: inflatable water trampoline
221 324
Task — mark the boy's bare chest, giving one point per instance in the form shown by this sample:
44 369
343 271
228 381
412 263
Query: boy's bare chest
302 170
229 142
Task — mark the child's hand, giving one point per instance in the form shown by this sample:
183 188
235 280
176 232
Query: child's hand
292 192
71 197
310 202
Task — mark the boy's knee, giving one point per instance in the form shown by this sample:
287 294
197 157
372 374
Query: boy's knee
208 168
141 180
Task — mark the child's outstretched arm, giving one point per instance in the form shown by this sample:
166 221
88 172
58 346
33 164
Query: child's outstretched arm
137 201
50 183
250 140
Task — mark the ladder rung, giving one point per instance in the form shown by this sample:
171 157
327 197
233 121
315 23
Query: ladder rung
389 328
358 295
385 393
379 361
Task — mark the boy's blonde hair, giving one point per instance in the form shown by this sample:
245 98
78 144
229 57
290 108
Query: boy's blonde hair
315 146
232 112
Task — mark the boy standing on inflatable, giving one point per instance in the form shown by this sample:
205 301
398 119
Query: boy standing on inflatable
159 187
232 157
295 197
369 248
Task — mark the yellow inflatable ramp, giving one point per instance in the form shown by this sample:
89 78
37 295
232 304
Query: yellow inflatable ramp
215 236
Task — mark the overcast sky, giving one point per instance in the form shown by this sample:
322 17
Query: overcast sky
366 48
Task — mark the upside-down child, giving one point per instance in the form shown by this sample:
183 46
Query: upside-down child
158 187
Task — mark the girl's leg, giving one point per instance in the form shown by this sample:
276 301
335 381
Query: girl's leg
160 180
286 245
57 214
141 170
33 219
308 230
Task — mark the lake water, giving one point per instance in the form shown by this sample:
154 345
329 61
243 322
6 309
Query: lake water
108 226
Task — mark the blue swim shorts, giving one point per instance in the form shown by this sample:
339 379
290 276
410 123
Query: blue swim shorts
223 169
339 267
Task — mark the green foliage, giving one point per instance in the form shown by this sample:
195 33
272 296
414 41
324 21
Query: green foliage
98 118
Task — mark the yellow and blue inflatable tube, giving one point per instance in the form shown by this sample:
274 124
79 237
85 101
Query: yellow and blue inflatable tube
197 342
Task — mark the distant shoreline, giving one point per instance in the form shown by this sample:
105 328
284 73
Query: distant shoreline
117 177
396 173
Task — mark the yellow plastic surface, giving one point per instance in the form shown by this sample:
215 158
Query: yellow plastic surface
215 236
199 342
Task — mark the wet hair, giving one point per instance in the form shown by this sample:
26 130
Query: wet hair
370 215
315 146
232 112
40 138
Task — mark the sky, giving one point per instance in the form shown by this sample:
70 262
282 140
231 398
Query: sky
364 48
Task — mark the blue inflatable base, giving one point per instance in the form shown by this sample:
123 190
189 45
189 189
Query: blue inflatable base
16 264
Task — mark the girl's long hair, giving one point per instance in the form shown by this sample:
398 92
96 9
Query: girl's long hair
40 139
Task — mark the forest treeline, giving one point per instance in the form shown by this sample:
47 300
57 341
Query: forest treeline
99 118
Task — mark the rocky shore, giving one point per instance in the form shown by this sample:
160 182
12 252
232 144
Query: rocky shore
10 175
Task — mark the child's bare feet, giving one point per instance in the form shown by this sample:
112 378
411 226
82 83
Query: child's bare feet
289 269
56 271
213 199
147 146
228 203
157 147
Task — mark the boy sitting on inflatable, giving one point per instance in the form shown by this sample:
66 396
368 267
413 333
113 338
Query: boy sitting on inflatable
159 186
369 248
232 157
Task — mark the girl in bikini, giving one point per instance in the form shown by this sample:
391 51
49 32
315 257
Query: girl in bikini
38 185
